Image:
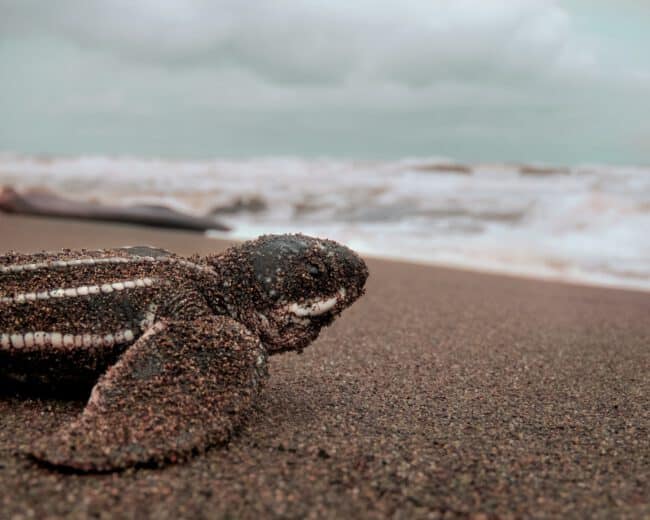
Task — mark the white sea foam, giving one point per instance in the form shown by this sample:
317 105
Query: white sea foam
586 224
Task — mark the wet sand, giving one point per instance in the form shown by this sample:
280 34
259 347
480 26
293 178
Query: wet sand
441 393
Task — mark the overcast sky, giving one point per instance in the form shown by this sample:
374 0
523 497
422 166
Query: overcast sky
529 80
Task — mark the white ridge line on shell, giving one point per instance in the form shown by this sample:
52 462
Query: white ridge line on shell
56 339
84 290
316 308
16 268
59 264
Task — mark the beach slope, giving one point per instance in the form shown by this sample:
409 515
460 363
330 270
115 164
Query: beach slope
441 393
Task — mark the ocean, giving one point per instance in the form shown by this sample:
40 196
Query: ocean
586 224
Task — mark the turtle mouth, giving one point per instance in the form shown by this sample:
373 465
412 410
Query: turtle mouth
291 326
318 307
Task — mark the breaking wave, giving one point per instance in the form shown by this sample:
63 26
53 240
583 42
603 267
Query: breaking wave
584 224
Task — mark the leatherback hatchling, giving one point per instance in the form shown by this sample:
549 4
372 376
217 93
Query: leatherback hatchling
176 347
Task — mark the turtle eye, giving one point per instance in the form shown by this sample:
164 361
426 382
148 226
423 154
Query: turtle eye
314 270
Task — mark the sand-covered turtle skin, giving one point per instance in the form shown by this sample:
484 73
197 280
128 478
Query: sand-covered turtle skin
176 347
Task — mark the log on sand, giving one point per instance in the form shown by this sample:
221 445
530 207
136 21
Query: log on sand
45 203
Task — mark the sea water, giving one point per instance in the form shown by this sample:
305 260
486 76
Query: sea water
588 224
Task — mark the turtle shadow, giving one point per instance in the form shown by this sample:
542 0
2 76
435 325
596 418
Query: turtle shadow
34 389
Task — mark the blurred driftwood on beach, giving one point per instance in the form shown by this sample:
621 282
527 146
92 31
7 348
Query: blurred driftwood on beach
46 203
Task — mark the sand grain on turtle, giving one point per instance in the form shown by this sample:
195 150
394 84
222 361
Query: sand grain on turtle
175 347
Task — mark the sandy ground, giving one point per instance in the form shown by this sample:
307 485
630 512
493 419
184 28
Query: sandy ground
441 393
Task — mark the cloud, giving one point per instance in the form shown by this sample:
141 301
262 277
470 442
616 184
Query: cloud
417 42
497 79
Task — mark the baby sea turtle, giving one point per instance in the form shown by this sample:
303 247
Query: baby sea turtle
177 346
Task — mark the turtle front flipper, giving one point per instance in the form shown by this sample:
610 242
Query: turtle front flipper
182 387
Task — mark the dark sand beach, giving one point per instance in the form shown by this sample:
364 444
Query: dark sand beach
442 393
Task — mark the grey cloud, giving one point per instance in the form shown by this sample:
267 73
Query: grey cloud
307 41
495 79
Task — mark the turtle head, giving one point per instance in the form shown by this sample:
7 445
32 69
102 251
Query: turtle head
287 287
